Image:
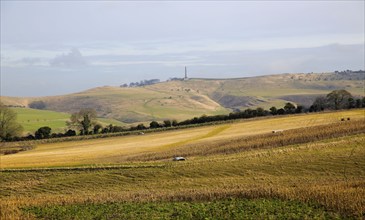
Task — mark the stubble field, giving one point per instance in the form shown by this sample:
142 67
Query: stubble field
315 168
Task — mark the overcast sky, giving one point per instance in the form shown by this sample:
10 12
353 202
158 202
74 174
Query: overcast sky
50 48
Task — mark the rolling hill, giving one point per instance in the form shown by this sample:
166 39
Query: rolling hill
182 99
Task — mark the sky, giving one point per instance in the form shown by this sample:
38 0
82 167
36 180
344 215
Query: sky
59 47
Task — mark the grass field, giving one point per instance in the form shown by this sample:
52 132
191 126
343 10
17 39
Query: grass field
32 119
315 169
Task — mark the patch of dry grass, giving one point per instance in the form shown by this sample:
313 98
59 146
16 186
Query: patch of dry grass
262 141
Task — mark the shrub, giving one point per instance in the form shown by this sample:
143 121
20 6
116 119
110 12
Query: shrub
155 124
37 105
70 133
43 132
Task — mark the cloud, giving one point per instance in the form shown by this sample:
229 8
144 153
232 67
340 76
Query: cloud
30 60
72 59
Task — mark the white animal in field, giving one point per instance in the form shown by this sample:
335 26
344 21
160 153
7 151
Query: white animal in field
178 159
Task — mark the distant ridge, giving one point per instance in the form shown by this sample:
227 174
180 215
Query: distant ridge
182 99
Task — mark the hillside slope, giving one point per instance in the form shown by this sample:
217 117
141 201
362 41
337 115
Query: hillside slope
195 97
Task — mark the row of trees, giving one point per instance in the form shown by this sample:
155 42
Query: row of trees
336 100
141 83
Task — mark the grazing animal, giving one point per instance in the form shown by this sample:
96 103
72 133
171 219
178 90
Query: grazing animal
178 159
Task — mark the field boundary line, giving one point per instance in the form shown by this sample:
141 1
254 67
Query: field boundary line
86 168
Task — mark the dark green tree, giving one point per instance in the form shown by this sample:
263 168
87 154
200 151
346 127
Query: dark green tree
289 108
299 109
358 103
70 133
154 124
97 128
141 127
319 104
338 99
351 103
43 132
281 111
37 105
167 123
273 110
174 123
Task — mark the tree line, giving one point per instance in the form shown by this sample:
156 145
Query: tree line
145 82
85 122
336 100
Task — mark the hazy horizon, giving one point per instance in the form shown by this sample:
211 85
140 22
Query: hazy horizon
53 48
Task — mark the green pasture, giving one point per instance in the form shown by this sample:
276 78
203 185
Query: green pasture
32 119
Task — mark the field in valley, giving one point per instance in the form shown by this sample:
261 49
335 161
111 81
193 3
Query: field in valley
32 119
315 168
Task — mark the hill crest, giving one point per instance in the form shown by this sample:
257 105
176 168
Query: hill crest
182 99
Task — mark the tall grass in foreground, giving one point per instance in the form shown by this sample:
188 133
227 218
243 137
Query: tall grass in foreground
219 209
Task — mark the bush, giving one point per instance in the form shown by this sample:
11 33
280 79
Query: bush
43 132
70 133
155 124
167 123
37 105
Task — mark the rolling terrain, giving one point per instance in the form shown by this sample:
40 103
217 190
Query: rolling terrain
194 97
120 149
314 169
